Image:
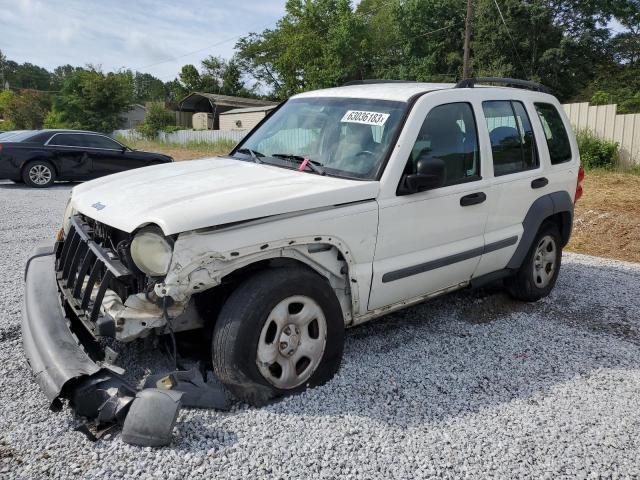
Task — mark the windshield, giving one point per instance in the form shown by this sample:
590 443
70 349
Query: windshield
347 137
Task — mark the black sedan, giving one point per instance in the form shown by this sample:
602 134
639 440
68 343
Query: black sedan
40 157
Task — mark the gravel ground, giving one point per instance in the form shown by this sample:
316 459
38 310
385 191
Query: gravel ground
471 385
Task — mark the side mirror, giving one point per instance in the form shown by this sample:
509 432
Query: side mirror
124 149
429 174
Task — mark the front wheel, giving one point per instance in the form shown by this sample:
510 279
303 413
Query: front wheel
539 271
38 174
280 331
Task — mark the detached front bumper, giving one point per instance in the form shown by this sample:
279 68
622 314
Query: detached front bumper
68 363
52 350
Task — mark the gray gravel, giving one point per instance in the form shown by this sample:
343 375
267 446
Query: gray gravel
471 385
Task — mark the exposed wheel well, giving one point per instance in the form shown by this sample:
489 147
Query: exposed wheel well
563 221
210 302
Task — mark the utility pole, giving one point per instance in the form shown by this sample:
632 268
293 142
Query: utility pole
467 39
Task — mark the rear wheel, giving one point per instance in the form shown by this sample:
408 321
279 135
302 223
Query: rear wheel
38 174
280 331
538 274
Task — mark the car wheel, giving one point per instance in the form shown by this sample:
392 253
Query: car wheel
538 274
280 332
38 174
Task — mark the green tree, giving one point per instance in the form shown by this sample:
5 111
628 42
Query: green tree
6 97
316 44
156 119
190 78
27 110
93 100
147 88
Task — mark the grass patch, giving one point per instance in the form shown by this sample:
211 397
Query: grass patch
189 151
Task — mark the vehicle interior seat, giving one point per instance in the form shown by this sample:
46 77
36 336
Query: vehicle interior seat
355 138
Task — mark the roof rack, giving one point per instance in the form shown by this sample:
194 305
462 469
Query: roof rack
375 80
509 82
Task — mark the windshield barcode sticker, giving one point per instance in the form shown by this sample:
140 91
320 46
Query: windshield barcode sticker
368 118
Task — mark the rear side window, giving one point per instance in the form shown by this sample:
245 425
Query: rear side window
98 141
68 140
449 133
555 133
512 140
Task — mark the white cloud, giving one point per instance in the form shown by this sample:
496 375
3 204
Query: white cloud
125 34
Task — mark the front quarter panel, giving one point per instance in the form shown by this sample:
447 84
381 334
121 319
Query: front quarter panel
202 258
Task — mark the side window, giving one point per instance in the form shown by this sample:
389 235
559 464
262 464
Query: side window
68 140
555 133
449 133
98 141
512 140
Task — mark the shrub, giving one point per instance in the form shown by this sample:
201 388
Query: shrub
170 128
156 119
595 152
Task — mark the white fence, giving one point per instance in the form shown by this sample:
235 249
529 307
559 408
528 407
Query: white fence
605 122
188 136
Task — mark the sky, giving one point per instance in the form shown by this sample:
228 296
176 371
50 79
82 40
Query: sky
143 35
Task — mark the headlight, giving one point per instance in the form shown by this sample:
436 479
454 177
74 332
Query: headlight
151 252
69 211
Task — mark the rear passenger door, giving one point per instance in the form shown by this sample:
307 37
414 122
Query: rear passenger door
518 178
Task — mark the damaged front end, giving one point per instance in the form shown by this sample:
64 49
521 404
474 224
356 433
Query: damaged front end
73 295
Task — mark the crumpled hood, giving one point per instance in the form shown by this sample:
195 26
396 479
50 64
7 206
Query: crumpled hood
196 194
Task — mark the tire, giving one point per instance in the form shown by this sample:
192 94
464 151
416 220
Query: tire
265 318
539 271
38 174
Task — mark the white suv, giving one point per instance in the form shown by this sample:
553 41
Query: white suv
342 205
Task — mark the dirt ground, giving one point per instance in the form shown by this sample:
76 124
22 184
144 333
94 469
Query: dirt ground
607 217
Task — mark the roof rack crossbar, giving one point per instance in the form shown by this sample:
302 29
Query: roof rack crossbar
509 82
375 80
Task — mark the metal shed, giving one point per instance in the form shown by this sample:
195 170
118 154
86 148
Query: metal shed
243 118
214 104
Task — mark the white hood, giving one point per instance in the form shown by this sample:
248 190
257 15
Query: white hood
203 193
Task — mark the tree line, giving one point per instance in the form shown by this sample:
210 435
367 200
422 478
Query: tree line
565 44
88 98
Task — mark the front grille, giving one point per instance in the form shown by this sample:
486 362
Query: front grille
81 264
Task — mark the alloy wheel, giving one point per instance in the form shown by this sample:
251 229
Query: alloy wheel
40 174
544 261
292 342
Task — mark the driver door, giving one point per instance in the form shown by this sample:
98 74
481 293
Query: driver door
433 240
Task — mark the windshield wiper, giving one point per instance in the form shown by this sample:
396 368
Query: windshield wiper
313 165
254 155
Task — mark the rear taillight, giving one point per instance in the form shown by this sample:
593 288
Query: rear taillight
579 184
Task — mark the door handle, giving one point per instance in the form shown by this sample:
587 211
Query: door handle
539 182
472 199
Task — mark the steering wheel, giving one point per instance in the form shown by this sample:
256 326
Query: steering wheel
365 152
362 157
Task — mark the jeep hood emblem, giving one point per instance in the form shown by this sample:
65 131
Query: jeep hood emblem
98 206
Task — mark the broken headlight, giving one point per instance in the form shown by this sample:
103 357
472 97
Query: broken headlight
151 251
69 211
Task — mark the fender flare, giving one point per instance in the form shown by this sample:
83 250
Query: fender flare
543 208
